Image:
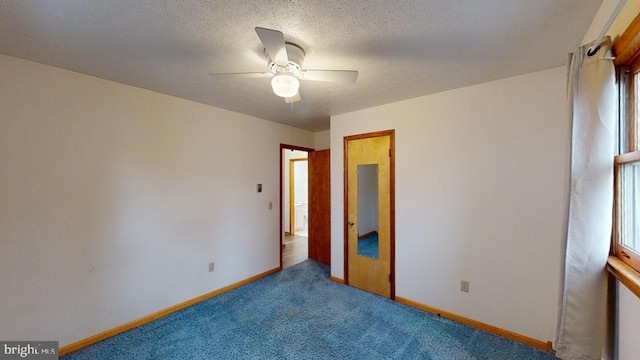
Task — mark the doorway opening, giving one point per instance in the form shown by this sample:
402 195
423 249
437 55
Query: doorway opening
294 205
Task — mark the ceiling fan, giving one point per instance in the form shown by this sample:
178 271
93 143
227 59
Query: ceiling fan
284 61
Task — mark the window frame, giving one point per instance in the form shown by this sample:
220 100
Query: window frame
625 262
625 254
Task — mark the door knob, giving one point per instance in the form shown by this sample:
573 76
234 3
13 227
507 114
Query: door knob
351 223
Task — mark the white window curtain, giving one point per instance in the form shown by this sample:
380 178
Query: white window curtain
591 100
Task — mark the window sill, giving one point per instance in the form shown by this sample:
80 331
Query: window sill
625 273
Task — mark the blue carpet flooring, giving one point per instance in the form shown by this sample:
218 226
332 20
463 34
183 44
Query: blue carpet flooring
299 313
368 246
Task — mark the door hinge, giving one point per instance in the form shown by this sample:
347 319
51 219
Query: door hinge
389 277
389 152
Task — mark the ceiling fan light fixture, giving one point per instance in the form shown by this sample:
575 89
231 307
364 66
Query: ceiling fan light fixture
285 85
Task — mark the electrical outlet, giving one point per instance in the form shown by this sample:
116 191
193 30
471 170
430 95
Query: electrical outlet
270 205
464 286
212 266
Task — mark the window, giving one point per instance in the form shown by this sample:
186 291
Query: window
628 209
627 163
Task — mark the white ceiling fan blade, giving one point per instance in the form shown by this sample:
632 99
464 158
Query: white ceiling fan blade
336 76
294 98
273 41
242 75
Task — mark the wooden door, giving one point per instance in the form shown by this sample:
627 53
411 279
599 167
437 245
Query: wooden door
320 206
369 212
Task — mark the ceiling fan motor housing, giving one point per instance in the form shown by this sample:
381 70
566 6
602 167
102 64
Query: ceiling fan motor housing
296 57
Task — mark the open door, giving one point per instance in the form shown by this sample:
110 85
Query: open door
369 213
320 206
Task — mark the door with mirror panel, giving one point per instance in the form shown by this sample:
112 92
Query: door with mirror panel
369 214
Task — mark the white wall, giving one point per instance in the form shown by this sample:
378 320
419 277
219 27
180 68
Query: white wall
629 324
322 140
114 199
481 192
301 196
301 181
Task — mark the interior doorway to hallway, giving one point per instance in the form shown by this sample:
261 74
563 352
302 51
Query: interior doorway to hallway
294 205
305 236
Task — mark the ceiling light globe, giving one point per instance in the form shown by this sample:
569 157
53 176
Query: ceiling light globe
285 85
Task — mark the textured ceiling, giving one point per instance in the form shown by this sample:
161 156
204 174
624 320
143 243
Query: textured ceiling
403 49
